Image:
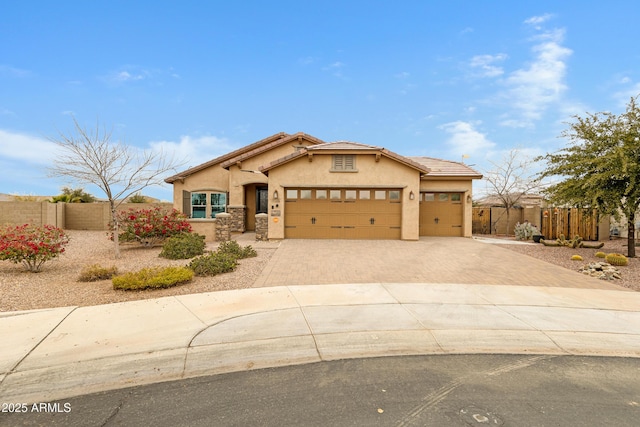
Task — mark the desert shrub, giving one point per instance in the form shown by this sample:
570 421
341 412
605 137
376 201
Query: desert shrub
183 246
600 254
576 258
31 245
95 272
616 259
232 247
213 263
152 278
525 231
137 198
150 226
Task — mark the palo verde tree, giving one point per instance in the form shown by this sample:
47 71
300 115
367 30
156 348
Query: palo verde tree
601 166
511 179
89 156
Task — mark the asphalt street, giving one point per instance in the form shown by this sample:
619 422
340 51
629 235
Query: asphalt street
438 390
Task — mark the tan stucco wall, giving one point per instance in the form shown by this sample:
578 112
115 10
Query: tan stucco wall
386 173
457 186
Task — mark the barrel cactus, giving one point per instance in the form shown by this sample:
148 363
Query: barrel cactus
600 254
616 259
576 258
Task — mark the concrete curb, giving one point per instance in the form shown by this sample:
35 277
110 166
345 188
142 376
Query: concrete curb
58 353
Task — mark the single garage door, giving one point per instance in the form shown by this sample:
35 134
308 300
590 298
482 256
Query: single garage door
327 213
441 214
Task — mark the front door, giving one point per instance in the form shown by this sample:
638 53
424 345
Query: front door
262 199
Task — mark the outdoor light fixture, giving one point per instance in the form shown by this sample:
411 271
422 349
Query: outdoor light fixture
469 200
411 195
275 195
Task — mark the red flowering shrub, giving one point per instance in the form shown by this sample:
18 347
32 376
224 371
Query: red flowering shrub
150 226
31 245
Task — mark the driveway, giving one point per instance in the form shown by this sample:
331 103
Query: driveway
428 260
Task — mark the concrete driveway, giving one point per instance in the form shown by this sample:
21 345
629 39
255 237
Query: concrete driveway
429 260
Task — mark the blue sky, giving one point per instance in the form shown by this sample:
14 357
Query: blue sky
200 78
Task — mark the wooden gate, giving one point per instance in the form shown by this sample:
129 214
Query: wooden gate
570 222
481 220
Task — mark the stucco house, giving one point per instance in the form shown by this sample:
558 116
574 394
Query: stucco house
309 188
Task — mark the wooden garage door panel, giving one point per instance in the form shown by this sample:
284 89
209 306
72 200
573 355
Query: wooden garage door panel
441 214
345 218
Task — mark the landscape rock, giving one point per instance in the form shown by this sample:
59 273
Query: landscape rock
601 270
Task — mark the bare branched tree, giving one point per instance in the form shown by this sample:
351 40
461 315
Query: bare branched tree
89 156
511 179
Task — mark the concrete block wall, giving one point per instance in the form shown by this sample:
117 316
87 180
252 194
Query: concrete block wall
38 213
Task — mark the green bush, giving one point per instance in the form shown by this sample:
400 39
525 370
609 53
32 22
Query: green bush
232 247
183 246
95 272
213 263
152 278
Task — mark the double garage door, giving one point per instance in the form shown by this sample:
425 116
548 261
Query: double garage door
328 213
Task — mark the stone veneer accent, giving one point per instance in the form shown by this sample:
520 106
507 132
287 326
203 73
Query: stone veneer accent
223 230
262 227
237 218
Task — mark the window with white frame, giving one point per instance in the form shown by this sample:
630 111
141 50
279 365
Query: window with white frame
207 204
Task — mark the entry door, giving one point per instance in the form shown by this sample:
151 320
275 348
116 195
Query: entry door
262 199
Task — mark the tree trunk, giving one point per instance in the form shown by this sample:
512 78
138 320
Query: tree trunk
508 215
115 230
631 235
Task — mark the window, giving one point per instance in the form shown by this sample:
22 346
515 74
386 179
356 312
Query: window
394 195
334 194
380 194
305 194
343 163
443 197
199 207
365 194
429 197
321 194
292 194
350 194
455 197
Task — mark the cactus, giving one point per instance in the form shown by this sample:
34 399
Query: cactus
600 254
576 258
616 259
576 242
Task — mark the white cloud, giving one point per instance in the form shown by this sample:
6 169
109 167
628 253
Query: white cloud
485 64
464 138
533 89
402 75
26 148
194 150
537 21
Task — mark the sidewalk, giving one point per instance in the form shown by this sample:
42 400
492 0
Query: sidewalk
61 352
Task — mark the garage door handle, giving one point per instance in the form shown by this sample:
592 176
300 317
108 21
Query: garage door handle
436 219
372 221
313 220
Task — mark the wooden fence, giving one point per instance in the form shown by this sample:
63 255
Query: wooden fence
552 222
570 222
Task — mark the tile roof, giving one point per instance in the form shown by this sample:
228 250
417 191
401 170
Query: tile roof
269 142
446 168
345 146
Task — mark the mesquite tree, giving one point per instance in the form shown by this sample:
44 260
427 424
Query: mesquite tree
601 166
89 156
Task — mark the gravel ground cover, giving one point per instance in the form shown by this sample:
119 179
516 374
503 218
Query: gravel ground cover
561 256
57 285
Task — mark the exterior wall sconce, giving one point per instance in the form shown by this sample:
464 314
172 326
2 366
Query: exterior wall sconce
411 195
275 195
469 200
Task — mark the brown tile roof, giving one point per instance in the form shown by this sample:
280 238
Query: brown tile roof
268 146
235 153
344 146
446 168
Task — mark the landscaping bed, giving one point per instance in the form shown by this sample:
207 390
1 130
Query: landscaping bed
57 284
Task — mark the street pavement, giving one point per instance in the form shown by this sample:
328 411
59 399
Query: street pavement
51 354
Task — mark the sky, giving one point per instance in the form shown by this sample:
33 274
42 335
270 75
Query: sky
197 79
